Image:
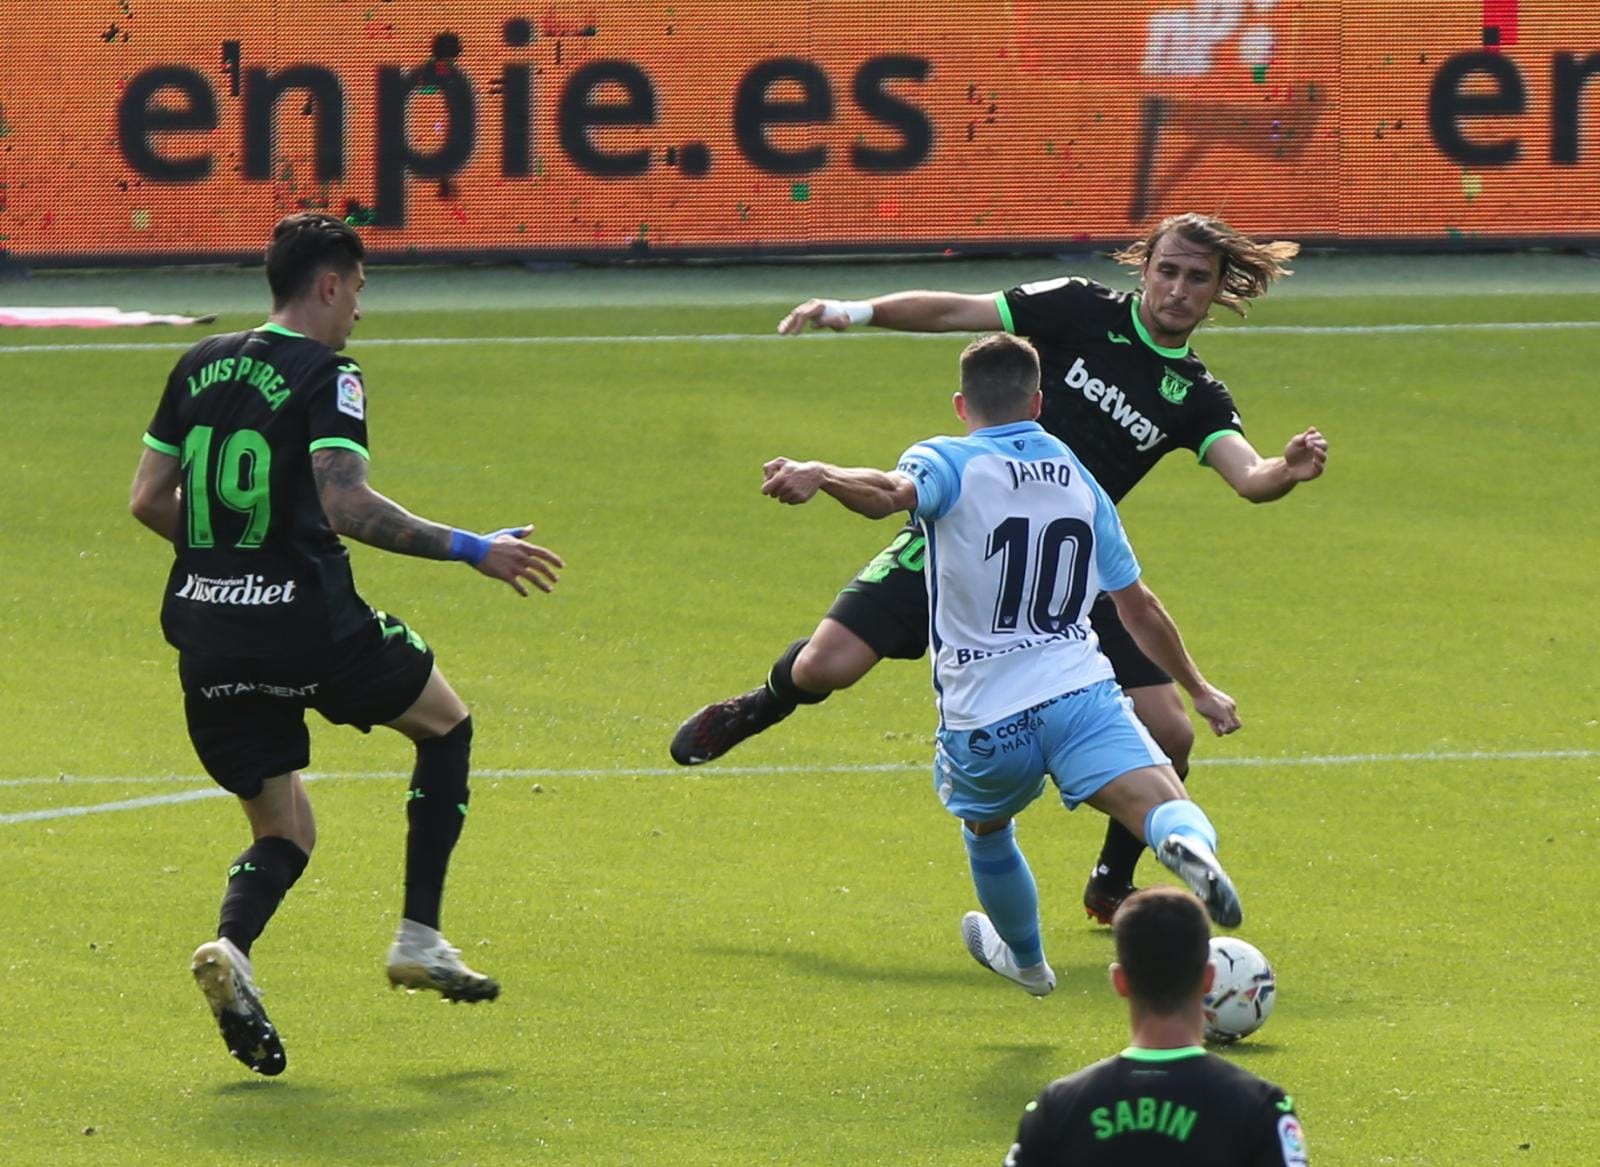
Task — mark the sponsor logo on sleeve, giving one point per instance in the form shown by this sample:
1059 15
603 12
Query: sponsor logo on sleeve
352 399
1040 287
1293 1141
914 468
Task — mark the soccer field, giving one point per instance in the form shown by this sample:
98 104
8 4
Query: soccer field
758 961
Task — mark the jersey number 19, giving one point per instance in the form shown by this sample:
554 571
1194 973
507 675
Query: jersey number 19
242 483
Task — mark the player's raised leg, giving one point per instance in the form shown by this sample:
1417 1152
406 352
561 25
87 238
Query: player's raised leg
830 658
1152 802
883 612
1160 707
436 807
1105 756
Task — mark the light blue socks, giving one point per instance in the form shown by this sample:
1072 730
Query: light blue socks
1006 889
1179 817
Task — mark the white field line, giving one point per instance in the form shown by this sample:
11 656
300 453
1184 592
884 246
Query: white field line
192 795
876 334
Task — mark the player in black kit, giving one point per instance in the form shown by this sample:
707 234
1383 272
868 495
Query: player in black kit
1123 389
1163 1101
254 465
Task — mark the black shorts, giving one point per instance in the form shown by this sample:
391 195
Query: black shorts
887 604
887 607
1134 670
247 715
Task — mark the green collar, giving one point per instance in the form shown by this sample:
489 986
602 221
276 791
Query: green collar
1144 335
1139 1054
271 326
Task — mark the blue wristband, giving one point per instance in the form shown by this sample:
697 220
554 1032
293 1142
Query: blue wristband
466 546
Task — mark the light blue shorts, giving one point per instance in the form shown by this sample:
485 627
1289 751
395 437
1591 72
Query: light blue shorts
1080 740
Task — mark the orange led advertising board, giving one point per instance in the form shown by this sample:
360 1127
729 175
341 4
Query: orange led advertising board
155 130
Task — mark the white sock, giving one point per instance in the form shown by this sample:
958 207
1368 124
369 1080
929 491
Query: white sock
413 934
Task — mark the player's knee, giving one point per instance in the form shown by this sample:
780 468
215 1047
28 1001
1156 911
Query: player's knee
456 745
1175 736
305 832
1168 722
828 668
443 761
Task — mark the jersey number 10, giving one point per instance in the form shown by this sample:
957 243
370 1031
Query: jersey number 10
242 483
1042 581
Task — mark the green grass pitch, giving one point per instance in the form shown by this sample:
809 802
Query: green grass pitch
758 961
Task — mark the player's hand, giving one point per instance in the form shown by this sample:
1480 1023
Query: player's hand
814 314
791 482
1306 455
1219 710
514 561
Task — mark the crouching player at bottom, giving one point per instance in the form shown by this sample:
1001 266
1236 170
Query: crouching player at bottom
255 464
1020 540
1163 1100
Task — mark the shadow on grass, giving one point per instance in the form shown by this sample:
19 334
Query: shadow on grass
1006 1077
1244 1051
456 1086
832 968
282 1120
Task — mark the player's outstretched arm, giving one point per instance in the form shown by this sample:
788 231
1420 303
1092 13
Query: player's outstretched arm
357 511
901 311
1158 638
1261 479
874 493
156 498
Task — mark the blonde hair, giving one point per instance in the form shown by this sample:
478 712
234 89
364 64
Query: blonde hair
1248 267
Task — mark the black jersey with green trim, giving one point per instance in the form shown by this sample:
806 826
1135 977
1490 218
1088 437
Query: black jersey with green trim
258 572
1160 1108
1119 400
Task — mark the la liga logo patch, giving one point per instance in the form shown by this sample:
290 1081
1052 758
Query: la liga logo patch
1292 1140
352 398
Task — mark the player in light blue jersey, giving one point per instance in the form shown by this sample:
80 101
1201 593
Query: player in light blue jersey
1020 541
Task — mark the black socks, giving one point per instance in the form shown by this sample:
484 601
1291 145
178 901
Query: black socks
257 882
435 809
780 681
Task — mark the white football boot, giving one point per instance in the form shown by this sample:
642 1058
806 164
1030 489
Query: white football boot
1193 862
986 947
420 958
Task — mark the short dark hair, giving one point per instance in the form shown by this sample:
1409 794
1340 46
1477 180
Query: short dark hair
1163 945
999 375
1248 267
304 244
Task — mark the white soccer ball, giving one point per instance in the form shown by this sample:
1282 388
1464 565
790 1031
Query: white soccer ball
1242 992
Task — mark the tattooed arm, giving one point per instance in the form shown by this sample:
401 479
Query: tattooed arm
356 510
